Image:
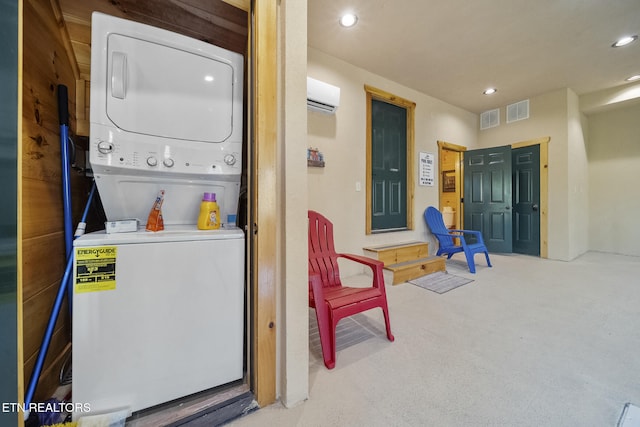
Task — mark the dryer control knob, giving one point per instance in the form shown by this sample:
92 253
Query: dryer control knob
152 161
105 147
168 163
230 159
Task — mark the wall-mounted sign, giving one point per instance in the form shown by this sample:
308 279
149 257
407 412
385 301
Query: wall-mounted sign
427 172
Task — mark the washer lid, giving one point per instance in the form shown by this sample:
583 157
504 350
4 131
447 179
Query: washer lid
175 233
164 91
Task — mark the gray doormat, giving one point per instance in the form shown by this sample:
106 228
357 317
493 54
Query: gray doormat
630 416
440 282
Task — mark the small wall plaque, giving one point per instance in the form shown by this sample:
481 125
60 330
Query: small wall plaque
315 158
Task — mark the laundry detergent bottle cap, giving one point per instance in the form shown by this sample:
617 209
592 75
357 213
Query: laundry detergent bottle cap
209 217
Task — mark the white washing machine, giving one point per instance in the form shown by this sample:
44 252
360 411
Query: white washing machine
160 315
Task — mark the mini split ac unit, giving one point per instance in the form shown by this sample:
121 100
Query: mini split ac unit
322 97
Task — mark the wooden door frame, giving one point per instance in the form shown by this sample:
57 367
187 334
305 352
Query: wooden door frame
442 146
544 183
261 200
262 226
410 106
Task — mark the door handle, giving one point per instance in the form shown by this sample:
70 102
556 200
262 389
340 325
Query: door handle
534 207
119 75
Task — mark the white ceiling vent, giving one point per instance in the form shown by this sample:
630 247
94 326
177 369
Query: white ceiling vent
518 111
490 119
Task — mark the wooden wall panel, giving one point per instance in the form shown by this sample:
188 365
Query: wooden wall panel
45 66
79 29
41 210
83 56
80 10
59 350
36 316
42 250
41 154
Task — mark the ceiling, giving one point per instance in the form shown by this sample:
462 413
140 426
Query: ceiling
453 50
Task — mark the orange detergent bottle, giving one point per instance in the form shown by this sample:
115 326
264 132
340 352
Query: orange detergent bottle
155 221
209 218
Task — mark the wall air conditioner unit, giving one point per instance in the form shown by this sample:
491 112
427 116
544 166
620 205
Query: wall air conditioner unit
322 97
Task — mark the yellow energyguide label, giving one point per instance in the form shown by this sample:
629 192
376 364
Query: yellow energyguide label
95 269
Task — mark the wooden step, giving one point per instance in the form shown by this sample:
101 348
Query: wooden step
399 253
409 270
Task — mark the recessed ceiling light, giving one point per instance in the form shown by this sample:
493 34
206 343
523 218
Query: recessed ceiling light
625 41
348 20
633 78
490 91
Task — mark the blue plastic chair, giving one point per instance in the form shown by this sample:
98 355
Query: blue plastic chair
445 239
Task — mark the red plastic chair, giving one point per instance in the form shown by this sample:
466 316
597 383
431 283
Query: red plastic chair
331 300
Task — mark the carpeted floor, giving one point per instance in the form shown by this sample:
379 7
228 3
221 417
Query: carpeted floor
531 342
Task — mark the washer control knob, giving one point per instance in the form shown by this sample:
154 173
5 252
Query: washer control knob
105 147
230 159
168 162
152 161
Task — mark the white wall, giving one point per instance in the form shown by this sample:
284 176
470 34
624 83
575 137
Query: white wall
292 312
614 180
578 179
342 140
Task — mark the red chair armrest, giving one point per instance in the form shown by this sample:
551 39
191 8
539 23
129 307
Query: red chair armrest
373 263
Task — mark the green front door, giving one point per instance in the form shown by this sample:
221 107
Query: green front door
487 196
526 200
388 167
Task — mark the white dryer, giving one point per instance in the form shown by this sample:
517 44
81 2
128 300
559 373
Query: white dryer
160 315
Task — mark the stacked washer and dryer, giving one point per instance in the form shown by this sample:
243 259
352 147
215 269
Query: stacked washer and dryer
166 114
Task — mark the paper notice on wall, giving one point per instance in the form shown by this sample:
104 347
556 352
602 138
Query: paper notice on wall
95 269
426 171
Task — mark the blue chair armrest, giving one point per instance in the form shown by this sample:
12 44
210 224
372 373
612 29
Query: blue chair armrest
475 233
